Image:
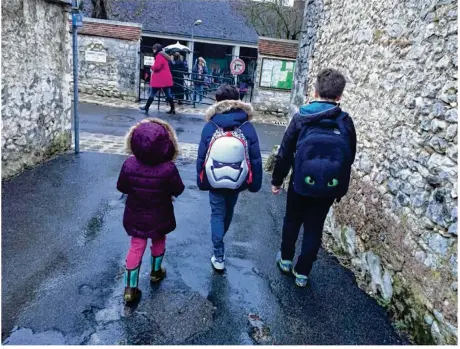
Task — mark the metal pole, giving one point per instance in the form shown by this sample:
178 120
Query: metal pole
193 45
75 82
193 63
140 75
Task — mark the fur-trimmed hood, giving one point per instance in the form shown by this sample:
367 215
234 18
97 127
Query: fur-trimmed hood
165 55
228 105
152 141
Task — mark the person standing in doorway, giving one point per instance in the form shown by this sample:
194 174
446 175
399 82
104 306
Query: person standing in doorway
178 69
199 73
161 78
243 89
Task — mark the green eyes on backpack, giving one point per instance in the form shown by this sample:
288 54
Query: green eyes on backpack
330 184
333 183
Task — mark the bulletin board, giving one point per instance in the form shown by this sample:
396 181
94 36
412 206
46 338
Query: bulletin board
277 73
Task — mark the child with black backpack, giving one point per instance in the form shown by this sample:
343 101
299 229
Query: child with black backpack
320 146
229 161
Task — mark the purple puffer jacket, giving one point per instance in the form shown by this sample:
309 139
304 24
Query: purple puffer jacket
150 179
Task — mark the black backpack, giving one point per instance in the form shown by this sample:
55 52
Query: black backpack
323 156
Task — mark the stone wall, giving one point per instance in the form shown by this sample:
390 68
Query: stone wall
310 23
397 227
36 118
109 59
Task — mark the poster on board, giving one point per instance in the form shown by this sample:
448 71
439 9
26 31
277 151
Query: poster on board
149 60
277 73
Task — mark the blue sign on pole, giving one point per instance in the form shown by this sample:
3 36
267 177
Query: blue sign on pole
77 20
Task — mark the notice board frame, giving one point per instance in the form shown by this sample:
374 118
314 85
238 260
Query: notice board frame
287 60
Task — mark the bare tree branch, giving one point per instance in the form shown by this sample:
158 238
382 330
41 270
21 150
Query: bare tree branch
272 18
101 9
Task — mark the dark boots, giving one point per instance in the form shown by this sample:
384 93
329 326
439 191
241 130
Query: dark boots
158 272
150 101
147 105
171 104
132 292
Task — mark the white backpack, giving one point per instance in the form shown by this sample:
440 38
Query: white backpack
227 163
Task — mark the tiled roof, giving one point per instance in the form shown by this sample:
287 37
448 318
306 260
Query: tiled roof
278 48
109 29
221 21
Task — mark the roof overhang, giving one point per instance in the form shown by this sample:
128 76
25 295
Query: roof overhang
198 39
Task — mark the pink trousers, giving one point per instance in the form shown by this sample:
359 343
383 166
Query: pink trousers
137 249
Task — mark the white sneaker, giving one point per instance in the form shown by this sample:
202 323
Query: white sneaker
217 263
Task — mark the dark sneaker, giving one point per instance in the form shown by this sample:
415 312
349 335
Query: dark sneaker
300 280
218 263
284 264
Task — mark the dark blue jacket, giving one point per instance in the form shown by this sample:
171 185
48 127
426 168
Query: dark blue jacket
285 157
229 115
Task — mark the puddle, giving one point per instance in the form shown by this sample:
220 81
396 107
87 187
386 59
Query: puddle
258 331
95 223
184 161
25 336
108 315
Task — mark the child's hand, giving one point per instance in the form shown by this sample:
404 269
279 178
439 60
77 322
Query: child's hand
276 190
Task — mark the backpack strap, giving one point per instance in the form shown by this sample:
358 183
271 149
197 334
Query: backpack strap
239 127
217 126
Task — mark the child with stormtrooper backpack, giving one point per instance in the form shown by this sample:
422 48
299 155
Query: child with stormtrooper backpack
229 161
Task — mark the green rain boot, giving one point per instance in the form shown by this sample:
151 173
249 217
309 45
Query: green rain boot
132 292
158 272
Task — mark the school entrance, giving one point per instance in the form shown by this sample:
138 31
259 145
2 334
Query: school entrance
223 67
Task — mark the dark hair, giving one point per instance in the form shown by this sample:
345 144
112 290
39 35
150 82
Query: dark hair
158 48
330 83
227 92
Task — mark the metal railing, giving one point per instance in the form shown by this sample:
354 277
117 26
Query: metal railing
187 89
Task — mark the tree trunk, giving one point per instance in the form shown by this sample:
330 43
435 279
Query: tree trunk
307 38
100 9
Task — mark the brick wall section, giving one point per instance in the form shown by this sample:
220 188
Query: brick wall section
278 47
109 30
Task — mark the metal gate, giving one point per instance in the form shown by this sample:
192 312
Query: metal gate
190 90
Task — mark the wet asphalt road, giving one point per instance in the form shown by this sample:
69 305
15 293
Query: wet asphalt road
116 121
63 250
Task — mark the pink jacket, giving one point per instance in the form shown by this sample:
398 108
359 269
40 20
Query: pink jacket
161 74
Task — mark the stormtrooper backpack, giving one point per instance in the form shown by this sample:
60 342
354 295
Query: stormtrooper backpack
227 163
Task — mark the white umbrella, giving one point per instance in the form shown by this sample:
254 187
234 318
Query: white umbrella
177 47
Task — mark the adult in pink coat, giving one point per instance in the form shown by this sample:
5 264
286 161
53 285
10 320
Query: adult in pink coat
161 78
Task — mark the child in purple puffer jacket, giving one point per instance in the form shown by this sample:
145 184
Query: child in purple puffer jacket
151 181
